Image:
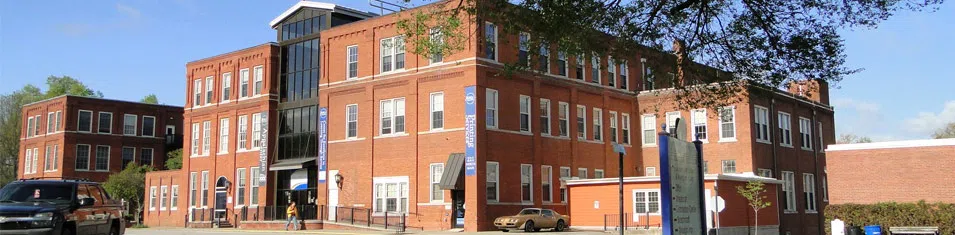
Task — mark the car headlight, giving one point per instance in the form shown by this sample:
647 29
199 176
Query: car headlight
44 219
512 221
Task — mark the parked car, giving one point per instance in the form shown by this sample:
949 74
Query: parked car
533 220
67 207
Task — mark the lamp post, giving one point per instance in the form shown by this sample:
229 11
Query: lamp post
621 151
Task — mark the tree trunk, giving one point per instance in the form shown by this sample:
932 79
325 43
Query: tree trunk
756 222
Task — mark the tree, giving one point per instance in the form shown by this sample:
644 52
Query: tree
10 116
770 43
150 99
753 192
174 160
129 185
945 132
852 139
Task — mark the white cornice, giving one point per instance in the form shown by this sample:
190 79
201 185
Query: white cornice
893 144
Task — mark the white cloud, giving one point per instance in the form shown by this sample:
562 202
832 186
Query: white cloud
128 11
925 123
857 105
861 118
128 18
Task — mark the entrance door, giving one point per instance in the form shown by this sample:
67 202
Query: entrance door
332 196
457 201
220 205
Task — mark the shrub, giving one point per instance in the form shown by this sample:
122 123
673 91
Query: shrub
891 214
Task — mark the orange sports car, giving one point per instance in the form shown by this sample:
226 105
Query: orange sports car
533 220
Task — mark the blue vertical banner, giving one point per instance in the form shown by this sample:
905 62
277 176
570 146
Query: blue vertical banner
263 147
470 131
322 144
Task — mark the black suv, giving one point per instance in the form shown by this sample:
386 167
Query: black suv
44 206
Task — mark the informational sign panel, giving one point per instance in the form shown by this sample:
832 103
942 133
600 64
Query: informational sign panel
470 131
322 144
681 187
263 147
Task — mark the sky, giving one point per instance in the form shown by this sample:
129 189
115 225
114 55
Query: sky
128 49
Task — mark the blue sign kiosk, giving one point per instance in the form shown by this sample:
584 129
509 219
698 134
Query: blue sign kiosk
681 183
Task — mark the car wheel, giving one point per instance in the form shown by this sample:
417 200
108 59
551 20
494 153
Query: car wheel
504 230
529 226
560 226
114 230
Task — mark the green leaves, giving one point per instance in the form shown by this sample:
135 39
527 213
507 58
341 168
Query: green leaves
174 160
150 99
892 214
753 192
945 132
128 184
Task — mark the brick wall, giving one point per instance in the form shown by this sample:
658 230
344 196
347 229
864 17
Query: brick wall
870 174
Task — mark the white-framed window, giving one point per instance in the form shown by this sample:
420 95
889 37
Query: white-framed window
240 187
36 157
259 79
525 114
206 137
649 126
523 57
545 116
128 155
224 135
105 124
351 121
436 170
244 83
544 57
490 41
805 132
490 108
825 189
437 110
36 129
761 116
563 113
764 172
28 161
256 130
650 171
226 86
149 126
699 124
527 187
493 179
392 54
102 158
671 122
564 176
54 159
598 173
163 193
352 63
785 130
192 189
59 121
547 177
197 92
729 166
611 72
31 125
254 185
146 156
50 123
392 117
391 195
82 157
624 81
437 38
152 198
84 122
194 150
595 68
822 142
613 126
210 83
582 173
174 197
598 124
205 189
727 123
47 164
580 67
646 201
562 68
789 189
581 122
625 126
243 123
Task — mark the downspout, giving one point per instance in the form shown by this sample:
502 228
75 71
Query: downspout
815 160
716 189
772 110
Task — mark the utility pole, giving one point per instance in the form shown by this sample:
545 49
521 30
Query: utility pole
621 151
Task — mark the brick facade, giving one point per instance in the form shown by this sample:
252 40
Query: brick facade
919 170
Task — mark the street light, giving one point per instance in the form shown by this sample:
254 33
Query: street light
621 151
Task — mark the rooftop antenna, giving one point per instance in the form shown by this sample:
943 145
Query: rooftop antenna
384 5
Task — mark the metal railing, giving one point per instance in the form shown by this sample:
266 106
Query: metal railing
612 222
369 218
272 213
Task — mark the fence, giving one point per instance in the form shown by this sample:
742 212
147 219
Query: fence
367 217
612 221
270 213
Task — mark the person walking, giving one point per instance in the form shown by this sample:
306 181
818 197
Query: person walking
292 213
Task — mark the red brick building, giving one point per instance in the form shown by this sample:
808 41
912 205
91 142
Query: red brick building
83 137
919 170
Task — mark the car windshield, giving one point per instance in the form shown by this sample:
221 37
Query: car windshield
36 192
530 212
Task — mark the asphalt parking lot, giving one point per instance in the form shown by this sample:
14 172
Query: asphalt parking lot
182 231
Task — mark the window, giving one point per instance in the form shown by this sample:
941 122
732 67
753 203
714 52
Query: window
805 132
102 158
545 116
598 124
31 124
580 67
437 194
36 128
391 195
164 191
46 158
564 175
85 121
729 166
174 199
598 173
490 108
437 39
493 170
210 82
561 63
259 79
527 173
699 124
50 123
351 125
522 52
613 126
392 54
611 72
146 156
764 172
192 189
437 110
727 123
647 201
54 159
129 155
244 83
392 116
595 68
227 85
706 168
649 126
581 122
490 41
240 186
547 176
254 183
194 151
563 111
352 61
825 189
205 189
525 113
243 123
206 137
672 117
129 124
651 171
105 124
197 92
762 124
152 198
149 126
28 161
224 135
648 78
625 125
822 143
256 130
82 157
582 173
624 82
59 121
789 188
36 159
544 58
785 130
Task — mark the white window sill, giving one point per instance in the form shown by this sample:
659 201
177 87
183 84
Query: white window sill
441 130
222 153
101 171
435 203
162 208
554 203
346 140
789 212
393 135
807 149
152 209
649 145
49 171
763 141
83 170
174 209
811 212
512 132
393 71
253 206
247 150
592 141
727 140
510 203
557 137
786 145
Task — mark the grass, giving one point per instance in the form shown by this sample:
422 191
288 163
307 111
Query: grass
139 226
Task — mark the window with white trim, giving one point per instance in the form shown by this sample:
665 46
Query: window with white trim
206 137
36 157
102 158
729 166
224 135
164 191
613 126
240 186
50 117
727 123
564 176
809 191
805 132
149 126
490 41
391 195
825 189
785 130
56 161
351 121
259 79
47 158
174 197
196 92
646 201
650 171
392 54
490 109
36 129
152 198
563 112
243 123
625 126
582 173
105 124
210 83
28 161
764 172
82 157
699 124
822 142
84 121
436 170
205 189
352 63
244 83
761 121
437 110
493 179
192 189
598 124
562 63
547 176
581 122
789 189
544 57
437 38
598 173
525 114
194 144
31 125
523 46
392 119
595 68
226 86
527 189
256 130
671 122
545 116
624 81
580 67
129 155
611 72
254 185
59 121
146 156
649 126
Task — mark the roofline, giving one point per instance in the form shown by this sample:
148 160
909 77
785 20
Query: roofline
104 99
652 179
231 53
892 144
320 5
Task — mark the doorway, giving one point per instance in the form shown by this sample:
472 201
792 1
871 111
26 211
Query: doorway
220 205
457 211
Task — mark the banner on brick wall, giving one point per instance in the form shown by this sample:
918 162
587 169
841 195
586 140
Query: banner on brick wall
470 131
322 144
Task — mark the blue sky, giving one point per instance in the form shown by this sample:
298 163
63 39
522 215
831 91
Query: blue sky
128 49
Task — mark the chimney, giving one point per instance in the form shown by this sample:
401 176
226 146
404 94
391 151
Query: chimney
815 89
